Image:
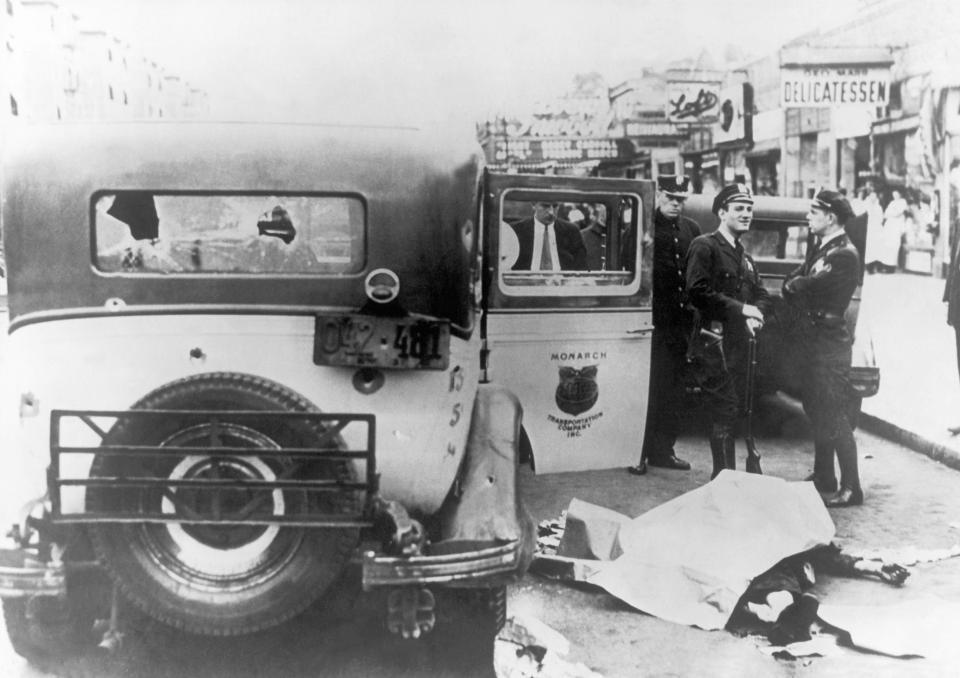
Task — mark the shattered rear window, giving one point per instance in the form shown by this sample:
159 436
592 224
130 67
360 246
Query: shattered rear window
143 232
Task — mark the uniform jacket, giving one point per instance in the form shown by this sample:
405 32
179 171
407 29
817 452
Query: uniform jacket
594 239
823 285
720 281
671 240
570 248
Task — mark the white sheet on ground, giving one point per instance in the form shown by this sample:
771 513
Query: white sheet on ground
690 559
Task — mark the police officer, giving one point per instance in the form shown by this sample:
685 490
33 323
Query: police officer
672 235
724 286
819 291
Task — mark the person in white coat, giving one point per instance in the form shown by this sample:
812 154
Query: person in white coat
883 245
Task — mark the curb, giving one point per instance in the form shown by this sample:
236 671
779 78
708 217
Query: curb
885 429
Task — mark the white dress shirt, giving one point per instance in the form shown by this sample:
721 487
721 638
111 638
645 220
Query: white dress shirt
538 232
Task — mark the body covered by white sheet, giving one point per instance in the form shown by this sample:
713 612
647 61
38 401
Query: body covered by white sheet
690 559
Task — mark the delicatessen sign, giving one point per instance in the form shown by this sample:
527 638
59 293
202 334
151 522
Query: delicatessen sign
822 86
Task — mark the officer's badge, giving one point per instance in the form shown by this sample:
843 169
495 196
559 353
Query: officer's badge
821 266
578 390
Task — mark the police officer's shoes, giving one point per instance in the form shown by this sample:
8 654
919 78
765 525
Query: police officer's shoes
669 461
638 469
845 497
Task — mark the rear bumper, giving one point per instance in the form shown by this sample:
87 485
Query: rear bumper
21 576
490 565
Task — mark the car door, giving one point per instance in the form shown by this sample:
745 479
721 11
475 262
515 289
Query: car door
573 345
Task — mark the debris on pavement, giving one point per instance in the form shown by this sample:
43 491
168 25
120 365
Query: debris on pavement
526 647
909 555
549 533
819 645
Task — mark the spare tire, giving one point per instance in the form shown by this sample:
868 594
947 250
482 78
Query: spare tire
218 579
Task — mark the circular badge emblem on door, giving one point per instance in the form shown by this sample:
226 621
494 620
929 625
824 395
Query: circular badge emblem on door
578 390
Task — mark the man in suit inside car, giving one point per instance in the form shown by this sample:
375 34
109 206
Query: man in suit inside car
548 243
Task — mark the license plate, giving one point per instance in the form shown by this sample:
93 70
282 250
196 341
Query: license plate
373 341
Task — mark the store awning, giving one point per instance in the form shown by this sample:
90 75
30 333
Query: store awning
897 126
764 147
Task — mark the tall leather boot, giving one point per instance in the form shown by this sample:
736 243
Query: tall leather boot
716 451
730 451
722 449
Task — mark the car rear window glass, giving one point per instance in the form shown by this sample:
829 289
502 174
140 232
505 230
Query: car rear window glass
594 241
141 232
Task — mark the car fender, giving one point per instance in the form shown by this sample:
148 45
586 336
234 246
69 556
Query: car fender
489 508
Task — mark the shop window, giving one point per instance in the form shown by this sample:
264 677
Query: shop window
666 168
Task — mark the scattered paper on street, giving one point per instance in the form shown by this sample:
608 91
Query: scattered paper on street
907 555
526 648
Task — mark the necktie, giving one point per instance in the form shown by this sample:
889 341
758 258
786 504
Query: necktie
546 261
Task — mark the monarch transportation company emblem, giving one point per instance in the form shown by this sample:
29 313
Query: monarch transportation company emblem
577 391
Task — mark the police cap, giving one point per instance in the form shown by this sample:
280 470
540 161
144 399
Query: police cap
732 193
833 201
673 185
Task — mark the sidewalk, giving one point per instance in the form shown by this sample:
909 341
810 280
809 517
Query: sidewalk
919 395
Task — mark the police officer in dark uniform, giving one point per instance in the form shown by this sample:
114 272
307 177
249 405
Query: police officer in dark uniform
672 235
820 291
724 286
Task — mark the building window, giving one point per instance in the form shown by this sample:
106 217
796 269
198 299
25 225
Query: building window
125 100
13 106
110 91
59 114
149 81
10 7
109 55
159 112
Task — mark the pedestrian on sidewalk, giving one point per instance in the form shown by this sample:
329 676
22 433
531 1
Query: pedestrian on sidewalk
672 322
951 295
724 287
819 291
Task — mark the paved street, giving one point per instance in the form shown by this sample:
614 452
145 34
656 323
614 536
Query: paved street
910 501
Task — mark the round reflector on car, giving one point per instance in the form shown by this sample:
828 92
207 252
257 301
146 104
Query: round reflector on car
382 285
